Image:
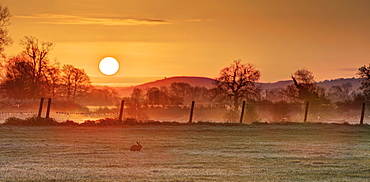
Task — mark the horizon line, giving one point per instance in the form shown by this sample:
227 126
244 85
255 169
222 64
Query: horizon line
133 84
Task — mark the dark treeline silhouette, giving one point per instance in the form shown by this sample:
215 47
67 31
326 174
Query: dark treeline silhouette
237 83
170 98
31 75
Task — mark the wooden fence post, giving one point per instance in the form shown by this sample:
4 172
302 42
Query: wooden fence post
306 112
242 113
362 113
40 108
121 110
191 111
48 108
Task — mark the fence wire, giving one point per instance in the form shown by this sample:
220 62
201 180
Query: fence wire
263 112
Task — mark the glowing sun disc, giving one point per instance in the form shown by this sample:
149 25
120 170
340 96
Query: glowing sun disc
109 66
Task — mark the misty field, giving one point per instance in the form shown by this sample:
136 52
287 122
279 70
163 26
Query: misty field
274 152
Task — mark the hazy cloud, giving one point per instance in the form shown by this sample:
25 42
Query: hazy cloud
347 69
82 20
198 20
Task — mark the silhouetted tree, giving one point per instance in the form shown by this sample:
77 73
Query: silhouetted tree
290 93
5 39
341 92
364 74
188 93
75 82
37 57
162 96
21 81
167 98
307 90
181 90
137 99
304 81
105 96
53 84
135 103
236 83
153 96
17 82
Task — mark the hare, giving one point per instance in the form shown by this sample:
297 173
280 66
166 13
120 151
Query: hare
136 147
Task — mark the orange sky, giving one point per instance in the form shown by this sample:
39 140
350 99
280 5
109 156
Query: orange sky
154 39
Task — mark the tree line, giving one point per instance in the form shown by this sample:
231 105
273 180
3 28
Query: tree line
239 82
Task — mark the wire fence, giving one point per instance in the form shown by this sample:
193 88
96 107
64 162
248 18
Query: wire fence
262 112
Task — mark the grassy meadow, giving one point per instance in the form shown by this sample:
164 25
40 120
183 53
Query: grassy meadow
265 152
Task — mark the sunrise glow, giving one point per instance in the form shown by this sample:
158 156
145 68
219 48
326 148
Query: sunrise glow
153 39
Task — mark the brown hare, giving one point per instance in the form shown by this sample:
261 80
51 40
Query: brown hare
136 147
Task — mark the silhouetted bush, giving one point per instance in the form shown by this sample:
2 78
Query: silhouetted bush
69 123
33 121
131 121
109 122
14 121
88 123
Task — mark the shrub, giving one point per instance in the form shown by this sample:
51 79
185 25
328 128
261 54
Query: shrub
33 121
14 121
131 121
109 122
69 123
36 121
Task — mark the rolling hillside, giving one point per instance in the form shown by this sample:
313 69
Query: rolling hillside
208 82
194 81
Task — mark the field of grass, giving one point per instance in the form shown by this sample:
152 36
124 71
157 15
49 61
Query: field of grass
266 152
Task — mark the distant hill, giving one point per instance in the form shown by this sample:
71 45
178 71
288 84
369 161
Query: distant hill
329 83
324 84
208 82
193 81
274 85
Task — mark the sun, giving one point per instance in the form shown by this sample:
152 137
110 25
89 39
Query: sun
109 66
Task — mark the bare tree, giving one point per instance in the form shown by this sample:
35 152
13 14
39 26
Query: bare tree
17 82
305 88
21 81
37 55
105 96
341 92
75 82
290 93
181 90
237 82
5 39
188 93
304 82
153 96
364 74
54 81
135 104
